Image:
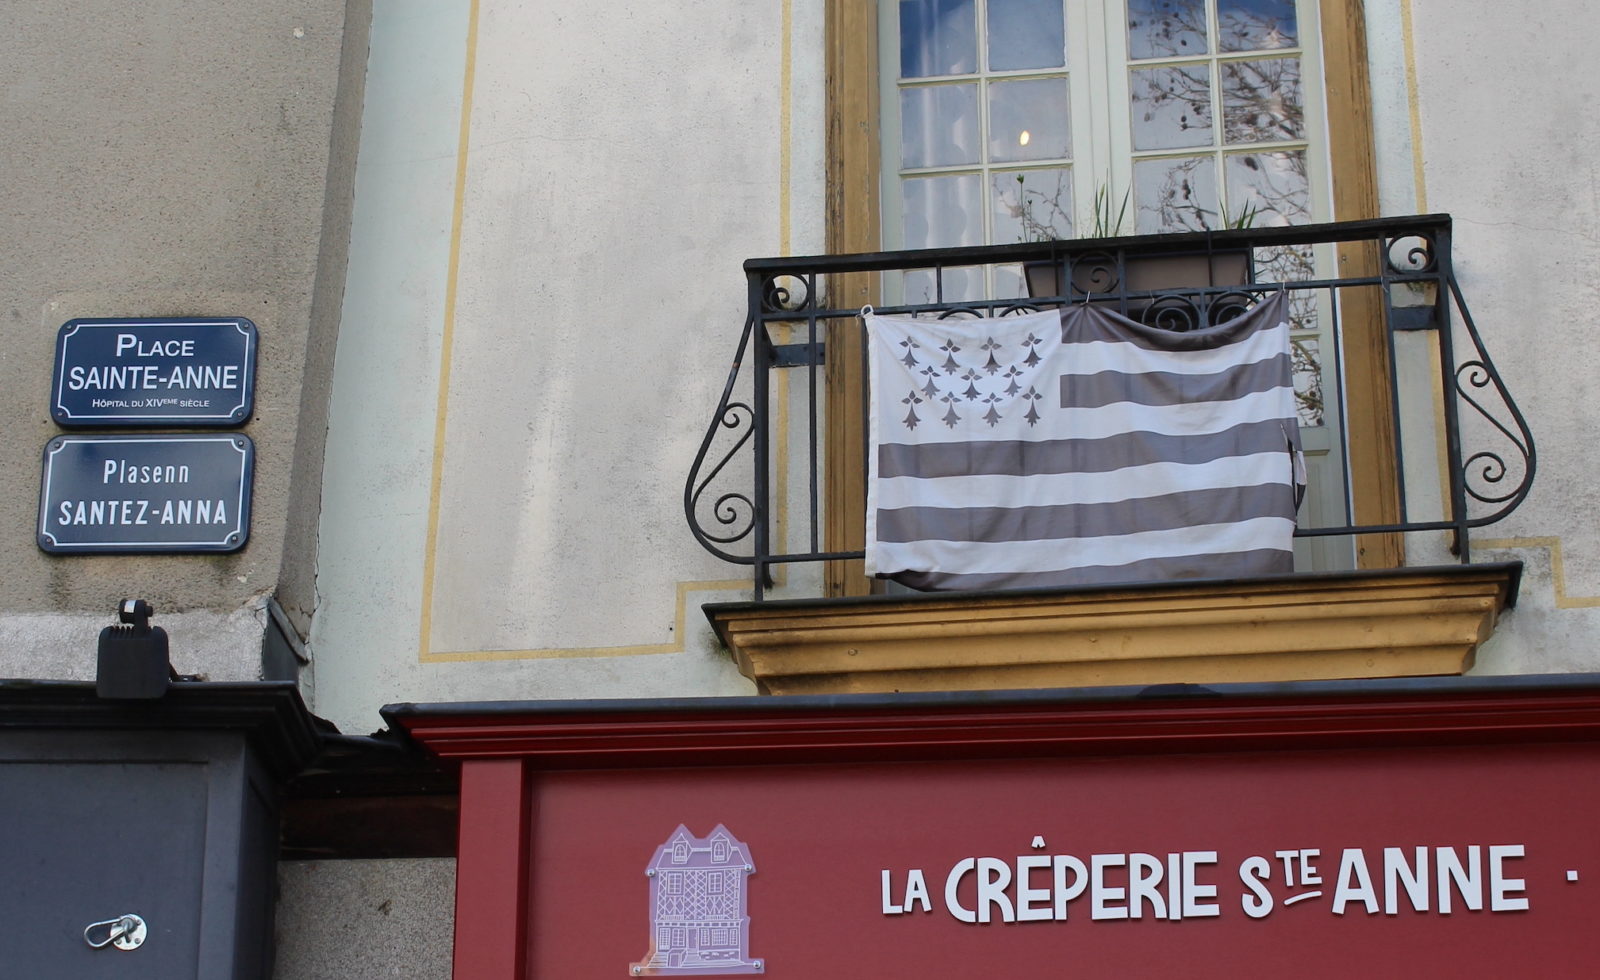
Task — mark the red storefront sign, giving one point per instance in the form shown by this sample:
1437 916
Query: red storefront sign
1367 831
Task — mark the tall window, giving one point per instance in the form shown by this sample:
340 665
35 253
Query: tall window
1029 120
1021 120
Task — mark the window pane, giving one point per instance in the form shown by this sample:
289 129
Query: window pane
938 125
1009 283
1261 100
1031 206
1269 189
1250 25
1028 120
1164 28
1026 34
1176 195
937 37
960 285
1306 357
942 212
1171 107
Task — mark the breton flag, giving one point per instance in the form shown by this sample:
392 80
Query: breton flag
1078 446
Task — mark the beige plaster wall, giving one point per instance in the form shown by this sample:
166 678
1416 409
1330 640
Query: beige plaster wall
1503 136
171 158
544 295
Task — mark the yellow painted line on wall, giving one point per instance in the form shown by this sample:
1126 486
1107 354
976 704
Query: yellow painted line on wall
1413 99
447 342
785 125
676 646
1558 570
442 406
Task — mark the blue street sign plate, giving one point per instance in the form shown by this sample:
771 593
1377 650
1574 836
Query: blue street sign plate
188 371
181 493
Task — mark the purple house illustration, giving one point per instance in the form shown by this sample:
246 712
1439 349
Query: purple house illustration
698 925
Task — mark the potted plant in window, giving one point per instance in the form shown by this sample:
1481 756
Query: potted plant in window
1096 276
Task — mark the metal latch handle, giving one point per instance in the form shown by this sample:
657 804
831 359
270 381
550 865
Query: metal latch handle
124 932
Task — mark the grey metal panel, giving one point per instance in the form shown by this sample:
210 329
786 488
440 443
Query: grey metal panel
174 827
89 841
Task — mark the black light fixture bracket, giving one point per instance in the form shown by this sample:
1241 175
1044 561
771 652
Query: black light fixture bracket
133 659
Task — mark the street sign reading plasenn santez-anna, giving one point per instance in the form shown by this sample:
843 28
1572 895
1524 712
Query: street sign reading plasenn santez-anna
180 493
182 371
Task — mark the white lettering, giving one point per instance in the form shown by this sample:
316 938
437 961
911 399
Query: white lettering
1101 894
1501 887
952 881
1065 892
153 348
1354 882
1252 873
1468 878
917 891
1144 885
1413 879
1175 886
889 908
993 877
1193 891
1033 904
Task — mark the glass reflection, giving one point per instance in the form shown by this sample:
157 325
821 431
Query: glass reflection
1305 356
1009 282
1250 25
1026 34
959 285
943 211
938 125
1028 120
1031 205
1171 107
1175 195
937 37
1268 189
1261 100
1164 28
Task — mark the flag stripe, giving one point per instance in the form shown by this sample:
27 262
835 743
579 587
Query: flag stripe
1168 388
1236 565
1030 557
1149 480
1076 520
1092 357
1018 458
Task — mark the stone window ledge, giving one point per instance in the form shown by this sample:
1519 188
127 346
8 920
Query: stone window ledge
1393 623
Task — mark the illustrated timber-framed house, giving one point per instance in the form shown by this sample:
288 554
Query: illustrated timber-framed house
699 922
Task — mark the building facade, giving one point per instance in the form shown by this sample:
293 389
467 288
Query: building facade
496 255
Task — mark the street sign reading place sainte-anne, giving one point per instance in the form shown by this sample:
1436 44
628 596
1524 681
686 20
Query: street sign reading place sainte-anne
175 371
137 493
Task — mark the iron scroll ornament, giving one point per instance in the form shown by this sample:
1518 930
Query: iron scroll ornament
732 512
1485 470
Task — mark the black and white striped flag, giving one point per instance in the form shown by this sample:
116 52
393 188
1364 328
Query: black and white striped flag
1078 446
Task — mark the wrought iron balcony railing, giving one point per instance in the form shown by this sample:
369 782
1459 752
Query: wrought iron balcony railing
1421 433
